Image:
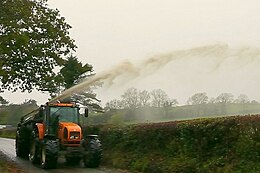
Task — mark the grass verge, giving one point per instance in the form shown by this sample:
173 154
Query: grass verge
8 133
8 166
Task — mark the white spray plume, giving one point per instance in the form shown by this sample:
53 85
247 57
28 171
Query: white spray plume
220 52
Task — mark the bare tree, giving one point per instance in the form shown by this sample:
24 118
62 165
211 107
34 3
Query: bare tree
144 97
254 102
198 98
242 98
131 98
171 103
225 98
113 105
159 98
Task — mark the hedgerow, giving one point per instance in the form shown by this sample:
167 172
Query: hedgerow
227 144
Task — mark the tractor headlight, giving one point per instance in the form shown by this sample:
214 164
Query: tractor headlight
74 135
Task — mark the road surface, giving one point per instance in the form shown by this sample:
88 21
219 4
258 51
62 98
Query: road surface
7 146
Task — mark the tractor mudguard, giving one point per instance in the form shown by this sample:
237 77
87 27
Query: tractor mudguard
40 128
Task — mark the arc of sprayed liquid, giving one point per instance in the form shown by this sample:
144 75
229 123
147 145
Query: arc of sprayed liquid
148 67
159 61
109 76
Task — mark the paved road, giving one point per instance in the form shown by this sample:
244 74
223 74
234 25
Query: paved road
7 146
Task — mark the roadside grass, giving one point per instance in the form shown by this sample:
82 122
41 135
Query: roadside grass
3 166
7 133
8 166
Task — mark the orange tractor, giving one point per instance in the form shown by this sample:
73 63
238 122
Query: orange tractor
54 130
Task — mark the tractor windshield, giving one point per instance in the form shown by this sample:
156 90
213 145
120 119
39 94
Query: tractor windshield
65 114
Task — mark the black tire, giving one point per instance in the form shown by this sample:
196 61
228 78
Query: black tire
93 155
73 160
20 147
34 149
49 154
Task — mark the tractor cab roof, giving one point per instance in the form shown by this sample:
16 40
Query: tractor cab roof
61 104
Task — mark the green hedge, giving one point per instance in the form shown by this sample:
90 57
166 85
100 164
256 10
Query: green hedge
229 144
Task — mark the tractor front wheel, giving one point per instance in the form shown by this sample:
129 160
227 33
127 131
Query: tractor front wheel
49 154
93 155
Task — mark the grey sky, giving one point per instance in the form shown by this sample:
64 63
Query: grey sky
110 32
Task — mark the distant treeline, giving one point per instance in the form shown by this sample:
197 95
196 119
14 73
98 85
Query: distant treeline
142 106
155 114
133 98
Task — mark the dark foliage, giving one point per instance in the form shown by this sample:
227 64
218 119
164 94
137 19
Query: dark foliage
229 144
34 39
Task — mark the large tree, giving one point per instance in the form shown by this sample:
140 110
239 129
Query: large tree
34 40
71 74
73 71
88 99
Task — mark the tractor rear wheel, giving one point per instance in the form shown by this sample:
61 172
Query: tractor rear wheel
93 155
49 154
20 147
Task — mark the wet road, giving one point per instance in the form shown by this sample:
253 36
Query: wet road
7 146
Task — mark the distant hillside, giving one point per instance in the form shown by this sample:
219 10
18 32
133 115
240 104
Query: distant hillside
11 114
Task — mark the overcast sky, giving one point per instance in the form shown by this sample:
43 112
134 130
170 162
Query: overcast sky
110 32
